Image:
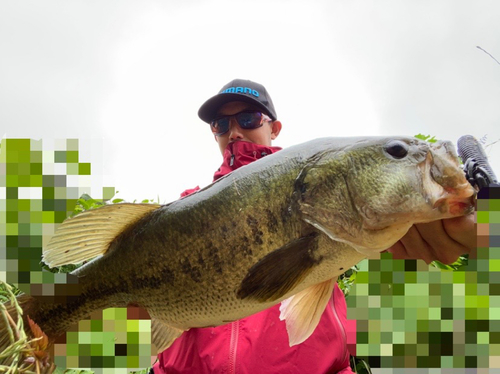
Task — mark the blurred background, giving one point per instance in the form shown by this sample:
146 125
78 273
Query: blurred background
127 77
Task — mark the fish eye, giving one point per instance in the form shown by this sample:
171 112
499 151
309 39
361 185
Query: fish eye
397 149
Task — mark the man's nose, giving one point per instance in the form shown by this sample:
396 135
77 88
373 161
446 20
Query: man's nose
235 130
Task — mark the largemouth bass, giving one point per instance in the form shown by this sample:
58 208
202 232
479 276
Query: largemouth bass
280 229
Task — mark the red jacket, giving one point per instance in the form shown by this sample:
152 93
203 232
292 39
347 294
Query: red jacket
259 343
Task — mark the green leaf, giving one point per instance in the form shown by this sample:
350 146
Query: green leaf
359 366
72 371
426 138
346 280
143 371
63 268
85 202
462 261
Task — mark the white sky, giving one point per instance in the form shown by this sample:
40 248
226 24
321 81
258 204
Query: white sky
131 75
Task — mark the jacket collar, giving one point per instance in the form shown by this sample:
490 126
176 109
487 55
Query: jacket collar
242 153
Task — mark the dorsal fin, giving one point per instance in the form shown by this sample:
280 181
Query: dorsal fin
89 233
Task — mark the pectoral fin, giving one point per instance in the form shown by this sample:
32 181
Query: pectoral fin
280 271
303 311
162 335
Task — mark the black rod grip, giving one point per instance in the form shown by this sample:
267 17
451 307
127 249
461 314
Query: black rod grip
475 160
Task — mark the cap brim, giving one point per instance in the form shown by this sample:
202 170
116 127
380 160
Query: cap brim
209 109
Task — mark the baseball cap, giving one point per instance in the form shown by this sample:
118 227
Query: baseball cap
238 90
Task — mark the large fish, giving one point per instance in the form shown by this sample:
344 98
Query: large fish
280 229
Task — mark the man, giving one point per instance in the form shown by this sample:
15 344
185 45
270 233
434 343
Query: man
244 123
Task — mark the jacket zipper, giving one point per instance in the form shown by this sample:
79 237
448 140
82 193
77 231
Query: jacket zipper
231 162
233 346
344 335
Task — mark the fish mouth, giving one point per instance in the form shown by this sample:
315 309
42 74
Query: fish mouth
450 192
454 205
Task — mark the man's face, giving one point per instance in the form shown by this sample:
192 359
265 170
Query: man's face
262 135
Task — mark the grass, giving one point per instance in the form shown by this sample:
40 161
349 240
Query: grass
23 354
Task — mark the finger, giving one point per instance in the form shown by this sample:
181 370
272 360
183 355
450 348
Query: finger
416 246
462 230
398 251
440 245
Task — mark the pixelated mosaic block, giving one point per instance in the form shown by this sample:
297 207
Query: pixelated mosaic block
114 340
40 184
39 187
411 315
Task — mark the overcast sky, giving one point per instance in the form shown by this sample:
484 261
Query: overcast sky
129 76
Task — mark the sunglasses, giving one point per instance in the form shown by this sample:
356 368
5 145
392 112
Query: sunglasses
247 120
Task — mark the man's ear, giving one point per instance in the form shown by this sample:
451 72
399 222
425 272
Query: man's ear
275 129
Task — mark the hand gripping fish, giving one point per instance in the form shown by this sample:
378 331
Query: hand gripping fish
280 229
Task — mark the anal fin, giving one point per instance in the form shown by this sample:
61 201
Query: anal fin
303 310
162 335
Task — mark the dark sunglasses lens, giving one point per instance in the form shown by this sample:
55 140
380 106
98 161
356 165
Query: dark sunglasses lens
220 126
249 120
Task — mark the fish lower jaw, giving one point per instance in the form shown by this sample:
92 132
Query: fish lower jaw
456 201
454 206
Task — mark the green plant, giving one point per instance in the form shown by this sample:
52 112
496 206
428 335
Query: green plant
359 366
346 280
22 355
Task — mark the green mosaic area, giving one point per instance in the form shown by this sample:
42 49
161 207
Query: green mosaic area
35 197
40 186
111 341
411 315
